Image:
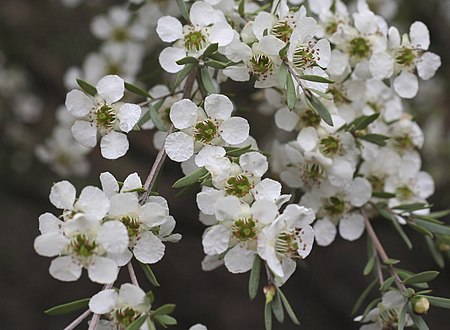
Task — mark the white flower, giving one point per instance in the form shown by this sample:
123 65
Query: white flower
211 126
103 114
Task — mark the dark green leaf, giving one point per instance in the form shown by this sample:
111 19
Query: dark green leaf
165 320
434 227
136 90
156 119
283 51
241 8
187 60
150 296
267 317
387 283
253 282
315 104
206 81
377 139
145 118
362 122
369 266
87 87
237 152
68 307
277 308
291 93
411 207
420 229
382 194
422 277
404 274
183 74
402 316
211 49
183 9
437 255
217 64
288 307
363 297
219 58
418 320
315 78
136 325
191 178
321 94
438 301
149 274
165 309
282 76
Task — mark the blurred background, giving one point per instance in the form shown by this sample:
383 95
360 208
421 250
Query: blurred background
39 42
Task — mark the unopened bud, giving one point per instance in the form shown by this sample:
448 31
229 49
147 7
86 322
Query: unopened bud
443 247
421 305
270 291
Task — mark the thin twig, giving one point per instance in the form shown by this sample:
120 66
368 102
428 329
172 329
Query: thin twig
381 252
78 320
96 318
158 98
132 274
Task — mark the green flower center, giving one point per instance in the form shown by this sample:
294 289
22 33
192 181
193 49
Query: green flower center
334 206
304 58
359 47
312 172
126 316
260 64
105 117
133 225
282 30
331 27
405 56
338 95
205 131
376 182
403 142
310 118
388 317
120 35
238 186
404 193
244 229
194 41
287 244
83 246
329 146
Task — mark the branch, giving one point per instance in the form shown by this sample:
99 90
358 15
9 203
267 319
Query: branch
78 320
132 274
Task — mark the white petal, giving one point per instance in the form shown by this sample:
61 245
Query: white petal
215 240
209 154
132 182
264 211
286 119
48 223
109 183
420 36
221 33
203 14
267 189
271 45
168 58
234 130
169 29
308 138
211 262
183 114
111 88
179 146
65 269
149 249
51 244
306 240
239 260
121 259
323 49
128 115
298 216
381 66
153 214
113 236
424 185
114 145
62 195
131 295
237 72
324 232
78 103
93 201
359 192
351 226
227 208
406 85
85 133
103 302
218 106
254 163
428 65
207 199
103 270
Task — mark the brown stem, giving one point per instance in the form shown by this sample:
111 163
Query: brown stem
381 252
157 98
78 320
132 274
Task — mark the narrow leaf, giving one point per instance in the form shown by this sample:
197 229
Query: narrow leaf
434 227
288 307
241 8
422 277
438 301
418 320
151 324
165 320
387 284
187 60
401 232
420 229
237 152
282 75
183 9
437 256
206 81
439 214
136 325
404 274
321 94
149 274
315 78
165 309
68 307
402 316
87 87
391 261
191 179
382 194
217 64
253 282
369 266
211 49
291 93
363 297
377 139
362 122
412 207
183 74
318 106
156 119
277 308
136 90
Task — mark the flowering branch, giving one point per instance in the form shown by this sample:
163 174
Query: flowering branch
133 277
78 320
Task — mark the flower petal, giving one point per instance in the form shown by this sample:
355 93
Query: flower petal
351 226
114 145
62 195
113 236
239 260
149 249
103 302
179 146
169 29
215 240
324 232
111 88
183 114
93 201
78 103
103 270
128 115
65 269
218 106
234 130
85 133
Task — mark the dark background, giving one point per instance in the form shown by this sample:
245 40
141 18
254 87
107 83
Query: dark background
44 38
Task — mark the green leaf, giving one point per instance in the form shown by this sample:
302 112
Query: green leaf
391 261
87 87
438 301
382 194
253 282
211 49
149 274
420 229
288 307
136 325
156 119
217 64
377 139
315 78
165 309
187 60
241 8
362 122
151 324
219 58
282 75
165 320
267 317
291 93
418 320
434 227
277 308
404 274
439 214
437 256
369 266
206 81
363 297
315 104
183 9
136 90
387 283
369 307
183 74
401 232
191 178
283 51
237 152
422 277
68 307
402 316
412 207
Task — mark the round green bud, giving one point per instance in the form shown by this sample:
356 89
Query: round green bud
421 305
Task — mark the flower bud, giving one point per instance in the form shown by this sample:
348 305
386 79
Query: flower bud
443 247
421 305
269 291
